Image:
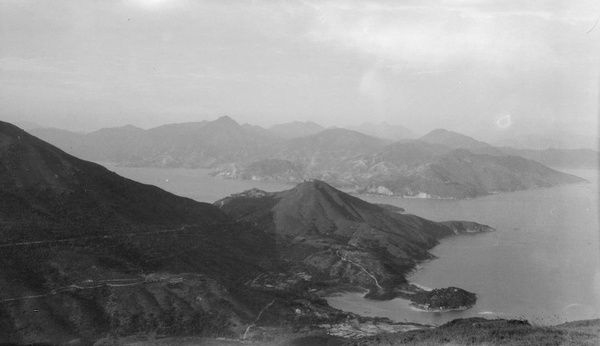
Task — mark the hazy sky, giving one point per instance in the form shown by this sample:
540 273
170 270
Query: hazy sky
479 67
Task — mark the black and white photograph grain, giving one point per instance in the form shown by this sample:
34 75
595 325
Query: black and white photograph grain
299 172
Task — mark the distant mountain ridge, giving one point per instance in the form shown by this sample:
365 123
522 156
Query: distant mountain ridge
553 157
384 130
296 129
410 169
456 140
432 166
190 145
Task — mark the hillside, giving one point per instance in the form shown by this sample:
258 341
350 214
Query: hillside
327 155
406 169
479 331
42 183
333 235
85 252
418 172
334 141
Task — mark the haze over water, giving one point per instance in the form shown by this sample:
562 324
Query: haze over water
542 263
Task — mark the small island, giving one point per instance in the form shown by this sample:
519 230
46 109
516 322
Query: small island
443 299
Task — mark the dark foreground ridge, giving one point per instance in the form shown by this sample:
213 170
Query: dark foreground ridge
85 253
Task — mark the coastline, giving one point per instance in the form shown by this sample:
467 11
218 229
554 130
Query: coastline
420 308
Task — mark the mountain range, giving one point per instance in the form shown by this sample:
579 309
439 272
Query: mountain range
442 164
189 145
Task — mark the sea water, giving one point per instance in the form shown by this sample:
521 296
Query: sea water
541 264
197 184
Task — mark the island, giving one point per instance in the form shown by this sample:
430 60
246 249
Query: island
444 299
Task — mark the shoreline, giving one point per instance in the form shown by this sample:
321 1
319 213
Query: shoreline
420 308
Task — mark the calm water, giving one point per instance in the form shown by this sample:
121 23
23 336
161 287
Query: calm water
542 263
193 183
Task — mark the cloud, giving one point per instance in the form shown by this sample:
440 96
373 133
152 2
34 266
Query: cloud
154 5
439 36
373 86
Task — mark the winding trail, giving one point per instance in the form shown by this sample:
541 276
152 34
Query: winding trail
360 266
91 284
94 237
257 318
84 285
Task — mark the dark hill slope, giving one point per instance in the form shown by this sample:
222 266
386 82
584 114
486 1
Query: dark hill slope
84 252
39 182
333 234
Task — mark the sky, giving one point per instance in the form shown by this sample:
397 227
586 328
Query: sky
481 67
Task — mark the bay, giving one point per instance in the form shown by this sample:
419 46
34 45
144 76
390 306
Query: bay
541 264
197 184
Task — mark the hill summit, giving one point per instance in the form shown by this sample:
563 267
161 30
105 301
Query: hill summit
337 236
